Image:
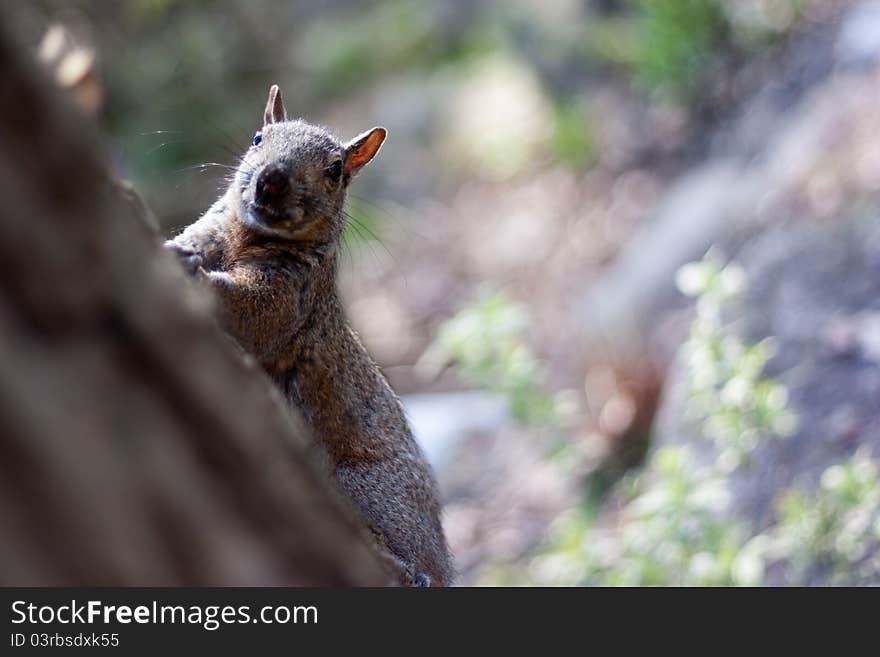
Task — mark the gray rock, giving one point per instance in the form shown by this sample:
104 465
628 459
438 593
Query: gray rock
441 420
858 42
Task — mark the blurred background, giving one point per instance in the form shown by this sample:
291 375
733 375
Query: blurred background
620 258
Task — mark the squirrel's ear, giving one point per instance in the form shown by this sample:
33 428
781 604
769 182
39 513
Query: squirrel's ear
275 112
362 149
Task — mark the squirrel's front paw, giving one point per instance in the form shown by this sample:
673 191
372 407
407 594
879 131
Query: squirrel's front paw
219 279
189 259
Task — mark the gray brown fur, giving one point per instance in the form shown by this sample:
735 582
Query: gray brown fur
273 265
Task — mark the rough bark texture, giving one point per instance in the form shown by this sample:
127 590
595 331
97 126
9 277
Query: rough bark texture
136 445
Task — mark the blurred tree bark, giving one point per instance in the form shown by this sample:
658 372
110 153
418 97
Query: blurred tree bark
137 447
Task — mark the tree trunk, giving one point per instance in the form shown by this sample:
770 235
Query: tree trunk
137 446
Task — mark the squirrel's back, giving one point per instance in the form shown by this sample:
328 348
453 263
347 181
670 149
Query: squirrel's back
361 424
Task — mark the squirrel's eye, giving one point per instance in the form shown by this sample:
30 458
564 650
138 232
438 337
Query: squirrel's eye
334 171
258 137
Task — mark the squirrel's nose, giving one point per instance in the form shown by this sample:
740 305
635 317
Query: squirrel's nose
272 183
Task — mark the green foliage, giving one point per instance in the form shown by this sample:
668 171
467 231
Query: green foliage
573 141
612 39
677 526
349 49
676 46
667 45
727 391
832 535
486 341
681 41
673 532
345 51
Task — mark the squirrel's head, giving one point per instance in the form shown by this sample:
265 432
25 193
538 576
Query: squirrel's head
292 181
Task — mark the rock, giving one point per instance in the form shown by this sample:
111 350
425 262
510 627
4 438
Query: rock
858 42
440 421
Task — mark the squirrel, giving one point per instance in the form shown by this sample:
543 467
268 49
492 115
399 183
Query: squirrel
268 248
